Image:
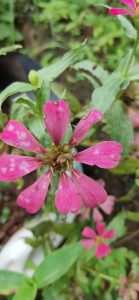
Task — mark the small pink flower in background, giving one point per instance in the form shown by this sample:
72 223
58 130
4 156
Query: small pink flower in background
106 207
98 239
134 116
129 288
74 187
133 8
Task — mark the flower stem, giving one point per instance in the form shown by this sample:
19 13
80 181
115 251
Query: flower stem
103 276
130 195
132 55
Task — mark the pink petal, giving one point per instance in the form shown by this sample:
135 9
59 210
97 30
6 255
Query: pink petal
88 233
92 193
97 216
109 234
17 135
102 250
100 228
16 166
56 117
108 205
114 11
87 243
104 155
67 199
33 197
129 3
84 125
134 116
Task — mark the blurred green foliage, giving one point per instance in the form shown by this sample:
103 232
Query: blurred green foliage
61 25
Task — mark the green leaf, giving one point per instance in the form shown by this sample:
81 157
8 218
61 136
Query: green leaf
52 72
37 128
118 225
103 97
42 95
5 50
10 282
133 73
132 216
93 69
130 31
16 87
119 127
27 102
27 291
57 264
127 166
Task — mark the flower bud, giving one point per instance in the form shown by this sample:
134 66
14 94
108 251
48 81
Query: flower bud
33 77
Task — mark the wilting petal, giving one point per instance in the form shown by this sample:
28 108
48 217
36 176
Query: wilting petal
92 193
33 197
108 205
100 228
88 233
104 155
67 199
109 234
16 166
102 250
97 216
129 3
87 243
56 117
134 116
114 11
16 134
84 125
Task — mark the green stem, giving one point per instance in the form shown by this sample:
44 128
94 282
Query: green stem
130 195
132 55
103 276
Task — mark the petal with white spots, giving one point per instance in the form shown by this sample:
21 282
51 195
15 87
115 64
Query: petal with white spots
15 166
16 134
33 197
104 155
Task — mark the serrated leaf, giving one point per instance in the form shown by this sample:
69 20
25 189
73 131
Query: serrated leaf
119 127
10 282
56 264
52 72
16 87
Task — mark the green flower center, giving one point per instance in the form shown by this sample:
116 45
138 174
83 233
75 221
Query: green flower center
59 158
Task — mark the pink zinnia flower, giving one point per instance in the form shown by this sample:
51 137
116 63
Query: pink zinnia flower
74 187
98 240
133 6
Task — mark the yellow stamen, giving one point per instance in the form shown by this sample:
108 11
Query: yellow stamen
99 239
